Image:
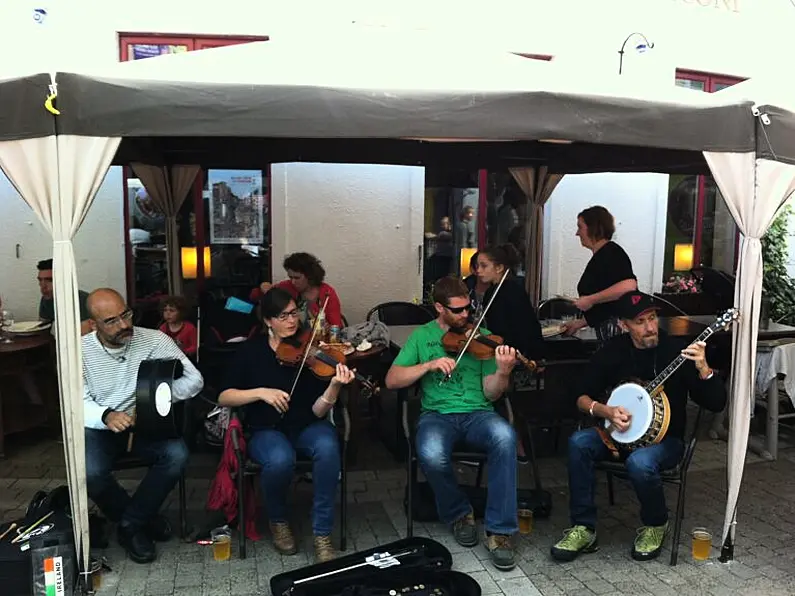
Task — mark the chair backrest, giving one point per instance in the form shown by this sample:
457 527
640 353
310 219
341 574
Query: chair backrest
667 308
718 284
556 308
401 313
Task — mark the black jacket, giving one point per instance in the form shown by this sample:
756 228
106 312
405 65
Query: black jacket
513 318
620 361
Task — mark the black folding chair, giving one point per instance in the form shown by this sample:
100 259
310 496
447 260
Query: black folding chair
676 476
339 417
401 313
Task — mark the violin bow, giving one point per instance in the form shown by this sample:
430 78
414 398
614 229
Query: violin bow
475 329
322 311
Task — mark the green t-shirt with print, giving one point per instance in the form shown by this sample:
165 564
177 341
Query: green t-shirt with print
463 393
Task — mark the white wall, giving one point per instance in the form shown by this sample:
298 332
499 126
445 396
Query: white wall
99 251
637 201
364 222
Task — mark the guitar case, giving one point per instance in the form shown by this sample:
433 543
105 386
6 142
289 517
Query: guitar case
154 411
408 567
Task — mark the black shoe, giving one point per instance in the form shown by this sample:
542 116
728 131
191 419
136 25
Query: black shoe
138 546
158 529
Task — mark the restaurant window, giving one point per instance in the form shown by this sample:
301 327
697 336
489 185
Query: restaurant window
239 206
452 200
699 222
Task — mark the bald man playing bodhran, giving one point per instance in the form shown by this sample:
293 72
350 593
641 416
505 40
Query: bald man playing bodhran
112 352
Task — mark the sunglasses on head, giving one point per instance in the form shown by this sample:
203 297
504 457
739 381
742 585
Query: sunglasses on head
458 309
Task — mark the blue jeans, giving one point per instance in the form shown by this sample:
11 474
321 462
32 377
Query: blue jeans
486 431
643 467
167 461
275 452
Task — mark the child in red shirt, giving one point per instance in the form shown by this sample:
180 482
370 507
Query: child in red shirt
176 327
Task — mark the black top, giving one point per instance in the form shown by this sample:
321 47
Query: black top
513 318
255 365
608 266
620 361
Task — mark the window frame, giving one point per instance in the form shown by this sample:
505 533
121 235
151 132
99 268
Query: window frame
710 80
193 43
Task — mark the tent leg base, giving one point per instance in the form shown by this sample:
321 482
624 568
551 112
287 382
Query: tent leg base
727 551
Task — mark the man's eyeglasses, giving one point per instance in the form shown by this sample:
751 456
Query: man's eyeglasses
458 309
126 316
42 279
292 314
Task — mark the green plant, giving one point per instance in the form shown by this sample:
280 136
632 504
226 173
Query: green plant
777 286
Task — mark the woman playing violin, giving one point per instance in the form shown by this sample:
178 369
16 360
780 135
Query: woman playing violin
283 424
306 285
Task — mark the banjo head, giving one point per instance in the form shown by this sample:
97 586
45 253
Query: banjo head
634 399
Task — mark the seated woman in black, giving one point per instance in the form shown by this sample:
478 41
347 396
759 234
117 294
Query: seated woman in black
607 276
282 425
512 315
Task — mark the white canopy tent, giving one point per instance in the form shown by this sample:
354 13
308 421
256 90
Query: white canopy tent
160 110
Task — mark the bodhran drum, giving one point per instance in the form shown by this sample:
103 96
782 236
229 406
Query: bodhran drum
650 416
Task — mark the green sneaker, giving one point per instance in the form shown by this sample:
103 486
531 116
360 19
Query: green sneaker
649 542
576 540
465 531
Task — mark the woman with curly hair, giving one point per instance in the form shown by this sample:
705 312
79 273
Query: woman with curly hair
306 285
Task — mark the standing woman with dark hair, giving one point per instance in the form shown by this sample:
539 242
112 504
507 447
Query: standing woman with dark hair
306 285
282 424
606 278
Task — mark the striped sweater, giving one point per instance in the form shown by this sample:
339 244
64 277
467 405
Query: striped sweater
110 374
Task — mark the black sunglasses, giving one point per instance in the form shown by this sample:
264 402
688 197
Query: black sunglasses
458 309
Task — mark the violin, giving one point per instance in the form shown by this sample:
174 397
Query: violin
321 360
482 347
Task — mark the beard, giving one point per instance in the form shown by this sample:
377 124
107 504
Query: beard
118 339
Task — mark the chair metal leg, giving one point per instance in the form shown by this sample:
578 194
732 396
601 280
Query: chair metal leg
411 479
611 498
241 511
479 478
343 503
183 514
680 513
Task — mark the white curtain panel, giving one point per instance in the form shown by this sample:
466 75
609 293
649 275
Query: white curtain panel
168 188
59 178
537 184
754 191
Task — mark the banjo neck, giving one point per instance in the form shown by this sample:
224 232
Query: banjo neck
722 322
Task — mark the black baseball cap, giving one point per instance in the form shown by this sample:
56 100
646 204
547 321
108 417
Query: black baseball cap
634 304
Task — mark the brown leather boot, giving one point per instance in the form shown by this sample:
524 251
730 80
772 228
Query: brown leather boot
283 538
324 551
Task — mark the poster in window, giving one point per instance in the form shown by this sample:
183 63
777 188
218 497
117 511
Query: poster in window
139 51
236 207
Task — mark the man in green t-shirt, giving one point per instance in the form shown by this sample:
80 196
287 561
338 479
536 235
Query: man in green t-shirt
457 408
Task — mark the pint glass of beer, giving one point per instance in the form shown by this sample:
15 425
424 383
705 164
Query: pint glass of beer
222 544
702 544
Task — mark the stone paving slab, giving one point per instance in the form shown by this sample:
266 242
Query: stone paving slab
764 565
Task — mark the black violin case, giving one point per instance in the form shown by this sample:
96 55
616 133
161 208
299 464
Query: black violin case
408 567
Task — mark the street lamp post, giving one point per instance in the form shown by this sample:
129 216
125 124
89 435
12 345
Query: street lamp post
641 47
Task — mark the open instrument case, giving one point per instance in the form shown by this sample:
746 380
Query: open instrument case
408 567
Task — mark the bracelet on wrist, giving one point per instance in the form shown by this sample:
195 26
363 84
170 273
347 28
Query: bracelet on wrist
590 410
330 402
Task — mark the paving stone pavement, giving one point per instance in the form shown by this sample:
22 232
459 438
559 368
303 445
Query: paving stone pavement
764 557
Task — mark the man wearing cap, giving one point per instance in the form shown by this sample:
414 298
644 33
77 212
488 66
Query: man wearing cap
642 352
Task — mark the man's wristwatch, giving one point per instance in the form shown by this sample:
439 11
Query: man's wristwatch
105 414
708 377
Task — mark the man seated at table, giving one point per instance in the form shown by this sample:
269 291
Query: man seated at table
47 303
457 407
111 356
642 352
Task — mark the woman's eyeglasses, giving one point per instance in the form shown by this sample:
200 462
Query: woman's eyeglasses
457 310
293 314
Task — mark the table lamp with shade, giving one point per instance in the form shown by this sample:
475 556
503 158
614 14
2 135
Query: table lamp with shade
683 257
190 262
464 258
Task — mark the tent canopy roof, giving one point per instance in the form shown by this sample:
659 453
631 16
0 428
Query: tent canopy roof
413 103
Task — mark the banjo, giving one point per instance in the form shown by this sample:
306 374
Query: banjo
648 404
154 414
